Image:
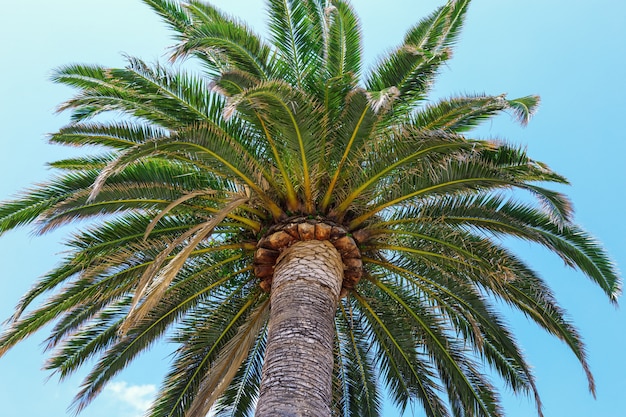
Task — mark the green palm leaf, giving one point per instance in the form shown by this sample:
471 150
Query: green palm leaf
298 41
223 43
406 376
219 325
171 12
461 114
426 47
358 378
344 41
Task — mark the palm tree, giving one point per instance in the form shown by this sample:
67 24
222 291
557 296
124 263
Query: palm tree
304 232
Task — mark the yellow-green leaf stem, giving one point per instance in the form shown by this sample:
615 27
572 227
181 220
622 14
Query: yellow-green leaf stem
359 220
363 302
333 182
372 180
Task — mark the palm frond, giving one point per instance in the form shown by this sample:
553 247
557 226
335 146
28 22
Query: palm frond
223 43
461 114
467 388
173 14
90 163
185 297
488 168
470 315
535 299
116 135
293 119
195 280
205 334
296 34
513 282
226 365
358 379
398 152
495 215
426 47
33 202
344 41
112 199
155 94
407 375
239 398
174 204
204 146
156 279
355 130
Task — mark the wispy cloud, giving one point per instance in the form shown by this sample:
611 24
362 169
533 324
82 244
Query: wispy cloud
136 397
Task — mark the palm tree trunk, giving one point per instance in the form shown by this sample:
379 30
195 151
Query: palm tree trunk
298 368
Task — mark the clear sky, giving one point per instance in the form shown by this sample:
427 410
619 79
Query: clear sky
571 52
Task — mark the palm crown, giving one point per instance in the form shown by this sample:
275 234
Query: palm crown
212 176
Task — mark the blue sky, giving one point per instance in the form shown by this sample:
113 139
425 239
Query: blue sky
572 53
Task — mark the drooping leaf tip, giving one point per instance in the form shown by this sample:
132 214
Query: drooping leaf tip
524 108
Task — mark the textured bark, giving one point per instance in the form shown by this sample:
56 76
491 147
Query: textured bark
298 368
